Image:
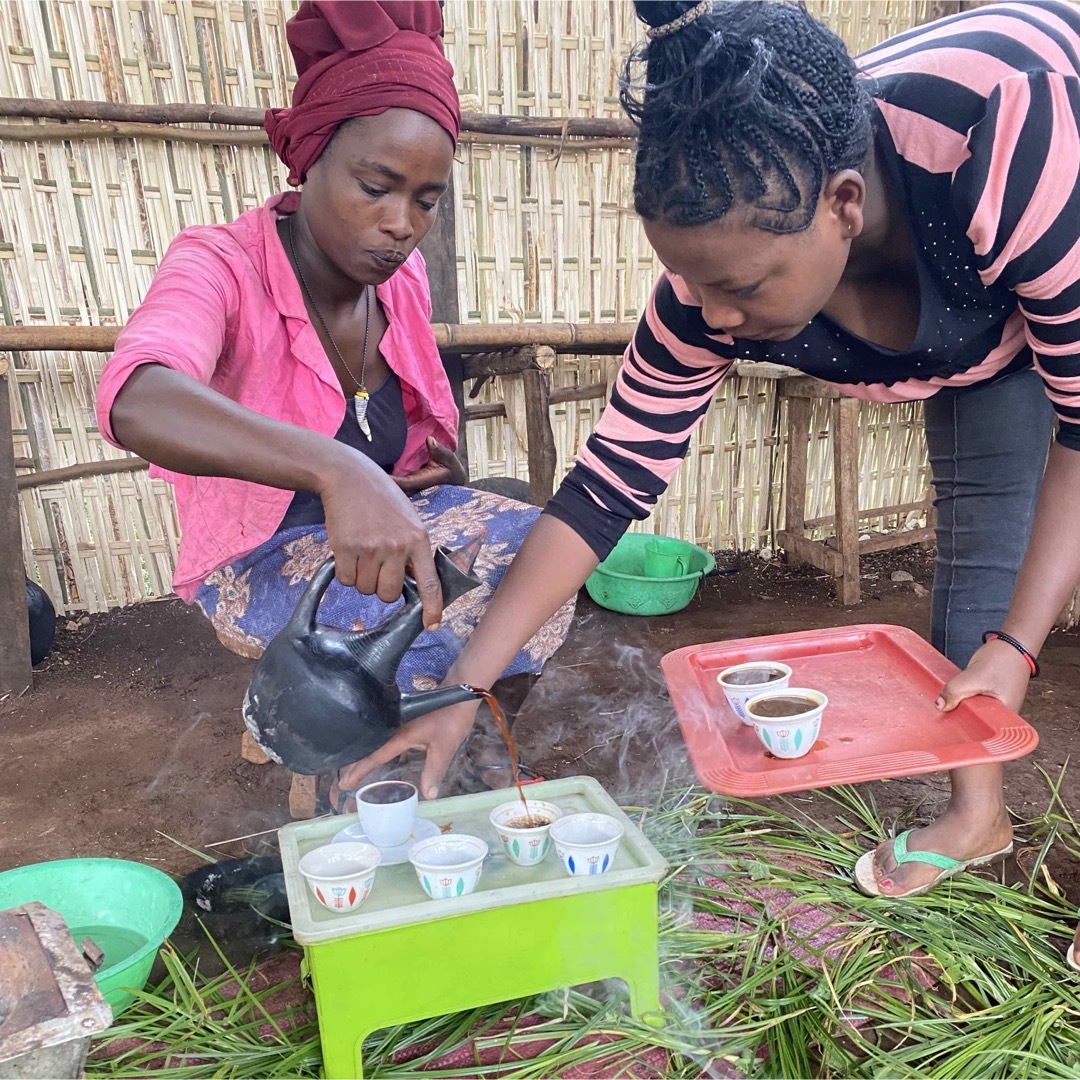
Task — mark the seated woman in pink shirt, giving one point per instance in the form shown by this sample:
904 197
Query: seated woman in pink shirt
283 376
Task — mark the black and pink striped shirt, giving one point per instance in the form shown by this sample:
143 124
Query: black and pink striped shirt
978 119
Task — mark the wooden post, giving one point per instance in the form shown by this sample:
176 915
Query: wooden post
251 751
541 439
16 674
798 437
440 252
845 425
521 127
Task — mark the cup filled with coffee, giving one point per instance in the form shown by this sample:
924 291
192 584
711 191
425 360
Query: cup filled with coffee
787 721
744 681
522 829
387 811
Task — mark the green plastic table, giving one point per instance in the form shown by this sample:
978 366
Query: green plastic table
403 957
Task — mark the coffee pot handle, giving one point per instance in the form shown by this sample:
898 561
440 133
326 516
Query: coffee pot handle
455 580
308 606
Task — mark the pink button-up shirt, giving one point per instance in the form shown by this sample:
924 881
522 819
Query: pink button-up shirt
225 308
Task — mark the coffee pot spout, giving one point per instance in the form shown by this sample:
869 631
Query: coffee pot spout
426 701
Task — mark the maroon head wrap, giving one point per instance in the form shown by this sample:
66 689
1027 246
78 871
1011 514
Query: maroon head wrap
360 59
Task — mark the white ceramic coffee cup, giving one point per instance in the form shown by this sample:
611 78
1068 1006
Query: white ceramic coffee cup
738 694
449 866
586 843
387 824
790 736
340 876
526 847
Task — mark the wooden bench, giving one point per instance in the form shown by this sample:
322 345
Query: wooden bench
841 561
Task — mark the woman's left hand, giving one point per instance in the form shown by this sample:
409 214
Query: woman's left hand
438 734
443 467
996 670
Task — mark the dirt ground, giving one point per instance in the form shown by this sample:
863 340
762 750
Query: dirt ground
132 733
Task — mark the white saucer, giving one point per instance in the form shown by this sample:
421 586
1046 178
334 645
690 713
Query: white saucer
391 856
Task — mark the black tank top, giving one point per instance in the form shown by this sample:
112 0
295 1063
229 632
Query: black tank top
386 417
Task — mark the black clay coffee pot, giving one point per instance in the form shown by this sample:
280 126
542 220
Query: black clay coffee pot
321 697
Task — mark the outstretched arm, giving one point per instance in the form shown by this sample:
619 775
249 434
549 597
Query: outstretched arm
178 423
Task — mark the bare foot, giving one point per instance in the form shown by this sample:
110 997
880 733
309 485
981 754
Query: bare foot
953 834
494 777
1075 965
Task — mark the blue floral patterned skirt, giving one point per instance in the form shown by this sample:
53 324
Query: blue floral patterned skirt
250 601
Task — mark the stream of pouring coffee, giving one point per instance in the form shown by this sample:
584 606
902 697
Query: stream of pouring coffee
497 712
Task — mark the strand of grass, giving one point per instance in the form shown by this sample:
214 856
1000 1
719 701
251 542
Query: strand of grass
1058 815
188 848
199 1030
571 1045
445 1034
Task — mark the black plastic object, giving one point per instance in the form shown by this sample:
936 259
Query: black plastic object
238 886
321 697
42 621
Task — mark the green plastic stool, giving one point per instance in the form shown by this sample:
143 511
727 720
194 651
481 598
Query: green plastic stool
403 957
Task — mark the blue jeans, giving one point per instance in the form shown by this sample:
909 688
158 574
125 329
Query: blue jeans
988 445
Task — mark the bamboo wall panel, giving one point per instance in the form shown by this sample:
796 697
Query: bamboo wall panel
544 233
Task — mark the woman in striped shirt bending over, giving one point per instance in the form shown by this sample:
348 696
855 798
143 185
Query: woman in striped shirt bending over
905 226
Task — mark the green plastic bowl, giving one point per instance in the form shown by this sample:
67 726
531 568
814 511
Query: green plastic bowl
127 908
619 582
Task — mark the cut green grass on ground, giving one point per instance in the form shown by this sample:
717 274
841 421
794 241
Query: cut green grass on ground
773 965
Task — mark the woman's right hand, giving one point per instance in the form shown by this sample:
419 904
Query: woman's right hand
376 537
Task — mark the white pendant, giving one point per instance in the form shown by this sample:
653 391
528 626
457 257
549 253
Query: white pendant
360 404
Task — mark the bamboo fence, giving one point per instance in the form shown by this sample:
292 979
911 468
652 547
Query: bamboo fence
545 232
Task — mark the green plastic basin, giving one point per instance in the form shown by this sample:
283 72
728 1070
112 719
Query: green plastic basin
619 582
127 908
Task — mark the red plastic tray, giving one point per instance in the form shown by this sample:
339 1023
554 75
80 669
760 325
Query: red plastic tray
881 682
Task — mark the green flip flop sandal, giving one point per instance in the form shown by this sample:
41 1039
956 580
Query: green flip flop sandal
949 867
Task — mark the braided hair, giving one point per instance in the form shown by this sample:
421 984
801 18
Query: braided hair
751 106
